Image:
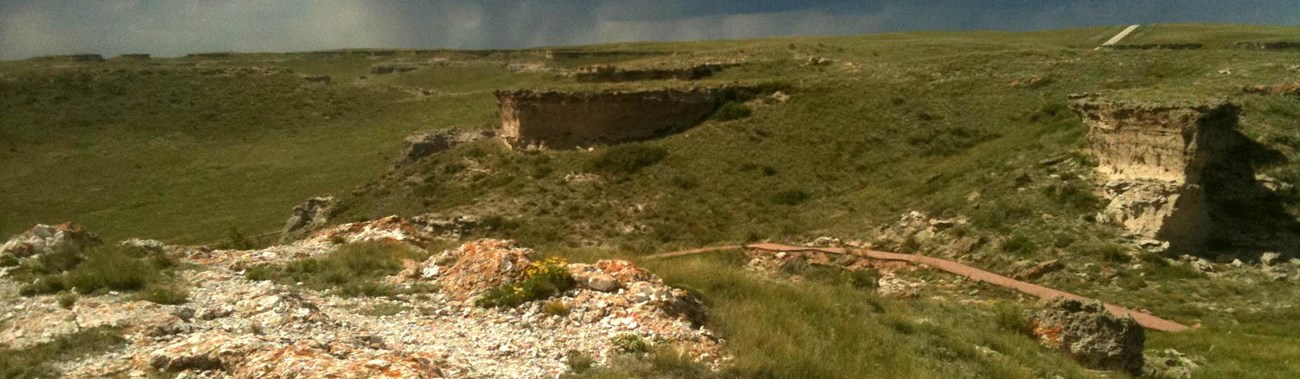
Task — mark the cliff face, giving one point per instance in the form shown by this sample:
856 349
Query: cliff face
1153 159
565 120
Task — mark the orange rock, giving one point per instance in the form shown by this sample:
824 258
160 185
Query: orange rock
483 264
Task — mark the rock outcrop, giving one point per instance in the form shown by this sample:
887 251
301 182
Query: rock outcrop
1153 158
422 144
234 327
392 67
43 239
478 266
562 120
1090 335
310 216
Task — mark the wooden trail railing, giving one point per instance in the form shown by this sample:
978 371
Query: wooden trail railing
1145 319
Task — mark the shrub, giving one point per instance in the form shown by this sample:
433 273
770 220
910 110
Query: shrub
731 110
164 293
579 361
627 159
1114 253
67 300
1074 194
630 343
555 308
1018 245
542 279
864 279
355 269
1011 319
791 197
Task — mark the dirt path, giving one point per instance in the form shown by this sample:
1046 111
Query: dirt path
1120 36
1145 319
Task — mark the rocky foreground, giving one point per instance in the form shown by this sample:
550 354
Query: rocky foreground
240 328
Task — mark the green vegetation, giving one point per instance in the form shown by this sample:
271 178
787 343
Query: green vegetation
151 274
355 269
969 124
627 159
731 111
654 363
630 343
385 309
38 361
542 279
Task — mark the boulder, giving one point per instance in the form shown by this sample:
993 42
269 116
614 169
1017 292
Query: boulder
481 265
311 215
1270 258
1092 336
43 239
601 282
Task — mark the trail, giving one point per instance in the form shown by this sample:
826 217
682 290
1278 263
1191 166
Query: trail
1120 36
1145 319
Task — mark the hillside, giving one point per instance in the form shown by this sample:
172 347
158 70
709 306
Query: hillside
830 139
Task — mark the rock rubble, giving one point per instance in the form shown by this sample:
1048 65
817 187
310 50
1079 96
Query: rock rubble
234 327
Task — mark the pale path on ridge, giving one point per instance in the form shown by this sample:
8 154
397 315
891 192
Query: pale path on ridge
1120 36
1145 319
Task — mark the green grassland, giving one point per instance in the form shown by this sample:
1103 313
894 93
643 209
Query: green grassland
945 123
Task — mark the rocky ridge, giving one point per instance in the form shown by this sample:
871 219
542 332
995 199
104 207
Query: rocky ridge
240 328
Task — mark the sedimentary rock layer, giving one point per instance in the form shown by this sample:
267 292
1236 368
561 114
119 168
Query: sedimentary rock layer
1153 157
573 119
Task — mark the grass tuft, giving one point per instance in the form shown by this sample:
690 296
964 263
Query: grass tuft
102 269
39 361
355 269
731 110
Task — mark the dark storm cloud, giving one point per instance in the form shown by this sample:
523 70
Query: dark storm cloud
29 28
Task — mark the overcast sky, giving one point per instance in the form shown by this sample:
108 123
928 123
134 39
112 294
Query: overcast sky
176 27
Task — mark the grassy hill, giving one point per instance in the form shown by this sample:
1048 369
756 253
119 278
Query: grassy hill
950 124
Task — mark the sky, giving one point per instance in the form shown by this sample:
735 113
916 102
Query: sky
176 27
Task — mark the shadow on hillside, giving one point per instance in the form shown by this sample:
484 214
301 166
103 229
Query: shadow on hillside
1248 218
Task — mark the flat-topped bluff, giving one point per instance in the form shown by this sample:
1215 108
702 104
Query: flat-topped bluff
1152 158
562 120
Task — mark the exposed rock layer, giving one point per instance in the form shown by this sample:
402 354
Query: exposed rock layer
1153 159
422 144
557 119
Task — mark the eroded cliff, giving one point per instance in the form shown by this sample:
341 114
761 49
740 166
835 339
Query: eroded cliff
562 120
1153 159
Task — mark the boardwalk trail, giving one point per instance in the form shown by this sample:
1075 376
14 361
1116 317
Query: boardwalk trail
1145 319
